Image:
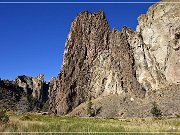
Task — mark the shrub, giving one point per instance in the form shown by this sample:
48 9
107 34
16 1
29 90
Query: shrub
90 110
45 107
156 112
25 117
4 118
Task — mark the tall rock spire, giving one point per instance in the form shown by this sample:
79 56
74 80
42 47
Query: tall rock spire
96 63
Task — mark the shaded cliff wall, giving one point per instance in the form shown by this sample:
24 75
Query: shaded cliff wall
24 94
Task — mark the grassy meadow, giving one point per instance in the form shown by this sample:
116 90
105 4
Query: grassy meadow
46 123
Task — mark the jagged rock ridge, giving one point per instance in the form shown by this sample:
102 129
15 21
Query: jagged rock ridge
24 94
129 64
122 72
82 47
10 94
96 63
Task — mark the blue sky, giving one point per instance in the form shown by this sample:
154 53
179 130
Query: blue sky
32 36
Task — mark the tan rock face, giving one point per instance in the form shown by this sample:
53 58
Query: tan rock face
32 85
113 71
35 92
172 71
159 45
147 70
38 86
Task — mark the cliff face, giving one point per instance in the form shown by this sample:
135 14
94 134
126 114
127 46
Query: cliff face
113 71
34 86
158 41
88 36
10 94
96 63
24 94
121 72
122 67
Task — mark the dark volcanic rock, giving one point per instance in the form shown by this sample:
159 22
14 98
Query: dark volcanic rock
24 94
10 94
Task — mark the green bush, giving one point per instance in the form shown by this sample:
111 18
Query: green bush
25 117
156 112
4 118
45 106
90 110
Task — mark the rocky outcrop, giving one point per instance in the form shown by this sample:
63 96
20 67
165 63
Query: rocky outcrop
24 94
88 36
121 72
36 91
126 67
96 63
34 86
10 95
158 41
53 87
147 69
113 71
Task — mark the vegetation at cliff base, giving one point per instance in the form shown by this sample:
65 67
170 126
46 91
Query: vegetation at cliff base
156 112
4 118
46 123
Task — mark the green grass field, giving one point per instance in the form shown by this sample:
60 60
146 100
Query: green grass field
45 123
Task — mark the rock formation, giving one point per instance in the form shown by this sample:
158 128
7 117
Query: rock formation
88 37
34 86
159 42
121 72
10 94
24 94
96 63
128 66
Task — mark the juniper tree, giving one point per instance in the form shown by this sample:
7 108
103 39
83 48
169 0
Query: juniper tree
156 112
